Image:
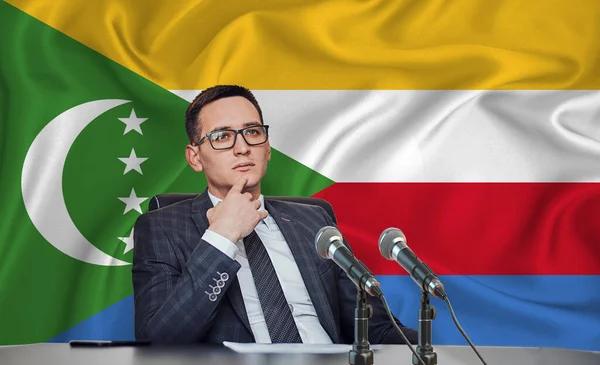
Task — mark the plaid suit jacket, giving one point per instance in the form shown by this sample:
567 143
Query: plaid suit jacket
175 271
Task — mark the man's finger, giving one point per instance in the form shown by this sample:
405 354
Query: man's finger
239 185
263 214
256 204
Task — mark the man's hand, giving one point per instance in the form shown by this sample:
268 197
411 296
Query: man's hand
237 214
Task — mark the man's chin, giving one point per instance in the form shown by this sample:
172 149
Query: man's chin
252 183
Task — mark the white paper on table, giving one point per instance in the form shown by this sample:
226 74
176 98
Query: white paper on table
290 348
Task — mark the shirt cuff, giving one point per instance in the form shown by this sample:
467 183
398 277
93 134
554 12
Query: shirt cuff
221 243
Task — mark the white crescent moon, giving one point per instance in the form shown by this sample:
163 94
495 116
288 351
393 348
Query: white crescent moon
42 185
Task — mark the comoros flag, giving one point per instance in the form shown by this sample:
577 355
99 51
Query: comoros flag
479 140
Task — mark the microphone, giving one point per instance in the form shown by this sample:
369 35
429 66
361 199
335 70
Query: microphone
330 245
392 245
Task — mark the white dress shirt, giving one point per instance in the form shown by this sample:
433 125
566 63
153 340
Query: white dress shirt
287 272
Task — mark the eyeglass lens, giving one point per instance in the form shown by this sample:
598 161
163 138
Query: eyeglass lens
226 138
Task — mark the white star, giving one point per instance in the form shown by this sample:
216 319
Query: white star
132 123
133 162
128 242
132 202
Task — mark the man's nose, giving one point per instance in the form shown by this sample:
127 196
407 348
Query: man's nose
240 147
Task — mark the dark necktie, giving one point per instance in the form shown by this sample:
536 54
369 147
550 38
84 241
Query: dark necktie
278 315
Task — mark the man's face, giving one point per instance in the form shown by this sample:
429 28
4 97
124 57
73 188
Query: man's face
223 168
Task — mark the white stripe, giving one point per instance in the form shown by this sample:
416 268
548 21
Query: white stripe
479 136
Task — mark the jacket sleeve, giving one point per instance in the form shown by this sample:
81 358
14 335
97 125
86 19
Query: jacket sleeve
175 301
381 329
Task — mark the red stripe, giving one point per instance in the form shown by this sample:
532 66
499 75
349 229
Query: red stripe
475 228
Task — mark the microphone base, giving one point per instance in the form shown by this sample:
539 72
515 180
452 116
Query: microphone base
428 358
424 348
361 358
361 353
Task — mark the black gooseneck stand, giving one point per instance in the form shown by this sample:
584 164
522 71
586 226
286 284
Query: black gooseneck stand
361 353
424 348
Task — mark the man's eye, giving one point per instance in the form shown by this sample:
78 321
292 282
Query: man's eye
220 136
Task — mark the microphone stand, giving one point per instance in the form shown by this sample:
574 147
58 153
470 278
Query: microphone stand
424 348
361 353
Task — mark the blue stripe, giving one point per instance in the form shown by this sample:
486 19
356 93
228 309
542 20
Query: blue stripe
544 311
538 311
114 323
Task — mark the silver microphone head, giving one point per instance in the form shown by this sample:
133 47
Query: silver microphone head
324 238
388 239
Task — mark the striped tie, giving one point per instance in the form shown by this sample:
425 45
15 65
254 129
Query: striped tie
278 315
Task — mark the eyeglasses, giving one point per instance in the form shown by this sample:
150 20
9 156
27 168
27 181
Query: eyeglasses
225 139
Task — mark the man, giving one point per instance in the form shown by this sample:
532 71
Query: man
230 265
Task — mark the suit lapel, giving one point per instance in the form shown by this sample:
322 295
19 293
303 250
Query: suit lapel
296 235
200 205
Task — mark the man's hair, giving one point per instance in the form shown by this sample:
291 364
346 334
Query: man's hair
192 114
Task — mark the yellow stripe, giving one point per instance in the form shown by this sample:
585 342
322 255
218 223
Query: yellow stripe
375 44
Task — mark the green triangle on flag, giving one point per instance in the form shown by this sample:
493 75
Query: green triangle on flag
85 143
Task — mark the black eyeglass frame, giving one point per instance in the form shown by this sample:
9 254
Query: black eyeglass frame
236 132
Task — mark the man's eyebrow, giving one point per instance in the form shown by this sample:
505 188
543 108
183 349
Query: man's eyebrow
247 124
221 127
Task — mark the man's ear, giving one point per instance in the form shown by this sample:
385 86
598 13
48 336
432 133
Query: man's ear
192 155
269 154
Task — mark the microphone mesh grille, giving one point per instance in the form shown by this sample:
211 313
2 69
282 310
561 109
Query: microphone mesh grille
388 240
323 240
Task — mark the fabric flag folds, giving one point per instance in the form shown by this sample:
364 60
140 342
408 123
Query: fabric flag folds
472 126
